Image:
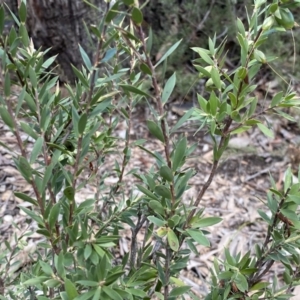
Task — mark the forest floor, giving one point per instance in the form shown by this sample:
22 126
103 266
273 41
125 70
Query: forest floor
236 193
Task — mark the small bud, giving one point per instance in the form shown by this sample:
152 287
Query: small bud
268 23
260 56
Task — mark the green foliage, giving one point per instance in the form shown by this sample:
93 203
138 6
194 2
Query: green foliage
76 259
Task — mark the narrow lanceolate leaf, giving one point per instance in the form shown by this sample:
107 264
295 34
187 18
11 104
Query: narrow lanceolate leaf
156 221
22 11
173 240
7 85
198 237
163 191
216 77
53 215
25 168
137 16
82 123
168 89
32 76
265 130
128 2
2 14
179 290
112 13
204 55
146 192
168 53
179 153
205 222
134 90
6 118
155 130
70 289
276 99
26 198
183 119
36 151
85 58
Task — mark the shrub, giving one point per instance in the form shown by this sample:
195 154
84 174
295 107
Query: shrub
73 135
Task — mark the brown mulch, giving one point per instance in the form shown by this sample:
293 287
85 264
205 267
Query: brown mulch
237 191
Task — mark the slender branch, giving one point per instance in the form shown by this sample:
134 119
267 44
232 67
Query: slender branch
164 127
140 222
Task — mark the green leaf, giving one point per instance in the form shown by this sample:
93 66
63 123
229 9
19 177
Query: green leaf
168 89
33 78
80 77
229 259
52 283
26 198
111 293
241 27
36 151
137 292
205 222
22 12
213 102
87 282
264 216
180 290
240 129
59 264
25 168
132 89
149 41
156 207
5 116
36 280
33 215
88 251
69 192
163 191
216 77
241 282
85 58
145 69
109 54
266 131
46 268
198 237
53 215
276 99
183 119
137 16
24 35
162 231
168 53
179 154
155 130
70 289
203 54
259 286
82 123
172 240
166 173
2 16
128 2
112 12
146 192
156 221
97 295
